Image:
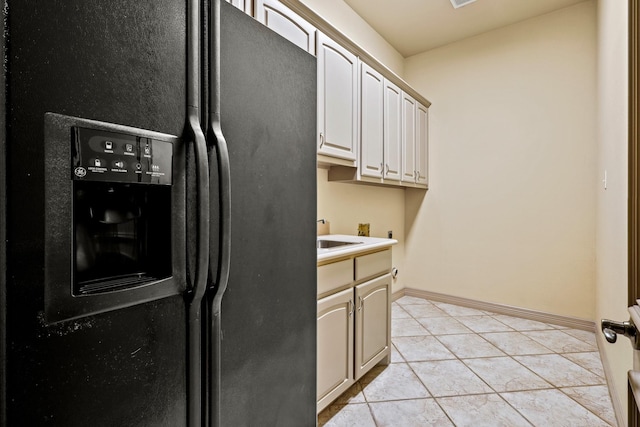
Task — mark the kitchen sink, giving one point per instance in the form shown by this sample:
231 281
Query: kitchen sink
328 244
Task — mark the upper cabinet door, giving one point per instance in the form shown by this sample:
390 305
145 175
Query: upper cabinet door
408 138
371 116
337 99
422 145
244 5
287 23
392 130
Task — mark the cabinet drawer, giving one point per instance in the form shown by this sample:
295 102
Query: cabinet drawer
335 275
373 264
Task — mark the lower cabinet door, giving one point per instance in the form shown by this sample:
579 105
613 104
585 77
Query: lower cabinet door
373 323
335 346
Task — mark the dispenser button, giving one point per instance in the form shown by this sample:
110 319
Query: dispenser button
108 145
119 164
147 149
128 148
97 163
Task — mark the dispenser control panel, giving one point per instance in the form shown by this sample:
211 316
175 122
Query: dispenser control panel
114 157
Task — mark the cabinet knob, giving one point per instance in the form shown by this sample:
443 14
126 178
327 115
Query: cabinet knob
382 169
321 139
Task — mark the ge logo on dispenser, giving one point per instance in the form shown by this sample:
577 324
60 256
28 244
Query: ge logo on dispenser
80 172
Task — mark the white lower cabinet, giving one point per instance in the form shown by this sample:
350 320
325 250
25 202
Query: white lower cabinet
373 323
335 346
354 321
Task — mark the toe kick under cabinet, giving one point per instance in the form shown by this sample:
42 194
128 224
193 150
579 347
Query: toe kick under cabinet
354 320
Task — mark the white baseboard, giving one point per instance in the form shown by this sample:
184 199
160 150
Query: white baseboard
525 313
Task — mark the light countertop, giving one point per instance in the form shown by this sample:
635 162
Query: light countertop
364 244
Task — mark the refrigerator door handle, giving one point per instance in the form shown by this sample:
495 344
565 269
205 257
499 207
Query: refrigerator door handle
194 301
203 224
224 194
201 157
222 153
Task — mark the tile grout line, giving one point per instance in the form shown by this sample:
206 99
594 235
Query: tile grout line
553 387
435 399
593 412
456 357
478 376
561 354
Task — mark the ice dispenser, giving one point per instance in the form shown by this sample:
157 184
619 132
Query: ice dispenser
114 231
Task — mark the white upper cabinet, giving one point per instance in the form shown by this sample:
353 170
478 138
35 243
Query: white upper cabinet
337 100
422 145
408 138
287 23
371 116
372 127
415 142
244 5
380 126
392 130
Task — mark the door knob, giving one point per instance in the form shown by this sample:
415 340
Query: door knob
611 329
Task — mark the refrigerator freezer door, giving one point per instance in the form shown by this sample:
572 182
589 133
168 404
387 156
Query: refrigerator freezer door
116 61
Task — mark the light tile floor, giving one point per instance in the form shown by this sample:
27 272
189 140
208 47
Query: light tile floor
457 366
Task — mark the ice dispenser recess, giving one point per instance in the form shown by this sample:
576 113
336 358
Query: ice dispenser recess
114 219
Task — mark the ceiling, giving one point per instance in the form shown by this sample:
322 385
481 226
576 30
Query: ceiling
415 26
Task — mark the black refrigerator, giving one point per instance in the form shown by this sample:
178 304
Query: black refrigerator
157 217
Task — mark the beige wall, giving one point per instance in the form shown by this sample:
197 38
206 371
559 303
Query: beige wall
524 122
347 205
342 17
611 224
510 214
